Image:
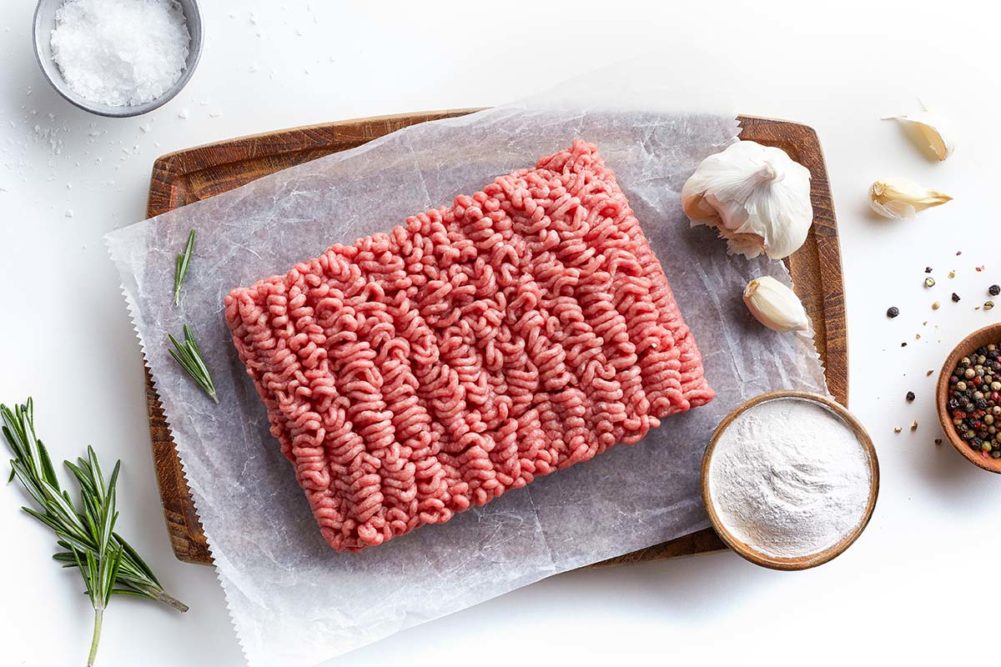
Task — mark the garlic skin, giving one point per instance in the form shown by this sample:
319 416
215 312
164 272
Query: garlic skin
756 197
899 198
931 132
775 305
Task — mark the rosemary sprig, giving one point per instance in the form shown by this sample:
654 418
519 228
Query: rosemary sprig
189 356
107 563
181 266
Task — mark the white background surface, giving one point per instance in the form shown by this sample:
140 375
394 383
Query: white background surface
917 586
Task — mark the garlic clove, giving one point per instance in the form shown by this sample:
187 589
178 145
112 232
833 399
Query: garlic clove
930 132
901 198
775 305
756 197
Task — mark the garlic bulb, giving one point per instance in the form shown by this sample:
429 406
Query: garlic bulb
775 305
901 198
930 132
756 197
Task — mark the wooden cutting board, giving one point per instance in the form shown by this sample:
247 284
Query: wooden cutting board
199 173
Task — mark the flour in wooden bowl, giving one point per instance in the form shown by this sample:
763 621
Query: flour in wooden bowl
789 478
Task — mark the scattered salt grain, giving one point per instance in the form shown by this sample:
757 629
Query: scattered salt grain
120 52
69 213
183 114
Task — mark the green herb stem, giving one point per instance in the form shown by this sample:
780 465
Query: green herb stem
85 530
181 266
96 638
189 356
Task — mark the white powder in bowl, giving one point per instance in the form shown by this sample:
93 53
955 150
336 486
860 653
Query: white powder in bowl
120 52
789 478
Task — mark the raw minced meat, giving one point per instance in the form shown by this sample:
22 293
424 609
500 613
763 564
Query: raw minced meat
415 374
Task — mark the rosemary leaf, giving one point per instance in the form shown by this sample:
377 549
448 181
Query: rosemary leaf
85 531
189 356
181 266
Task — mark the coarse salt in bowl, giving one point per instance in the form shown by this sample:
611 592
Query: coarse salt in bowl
118 58
790 480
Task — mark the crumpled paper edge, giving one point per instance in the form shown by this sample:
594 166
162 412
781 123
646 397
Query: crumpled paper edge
134 316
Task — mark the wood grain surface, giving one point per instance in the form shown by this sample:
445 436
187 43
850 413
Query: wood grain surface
199 173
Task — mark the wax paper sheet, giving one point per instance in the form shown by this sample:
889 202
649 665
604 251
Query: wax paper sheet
293 600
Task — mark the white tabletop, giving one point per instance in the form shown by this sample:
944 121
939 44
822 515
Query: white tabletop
921 583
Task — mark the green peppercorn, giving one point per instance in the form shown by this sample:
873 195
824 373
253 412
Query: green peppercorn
960 386
988 419
965 361
969 374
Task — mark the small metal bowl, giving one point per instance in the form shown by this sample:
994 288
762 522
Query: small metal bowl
45 20
756 556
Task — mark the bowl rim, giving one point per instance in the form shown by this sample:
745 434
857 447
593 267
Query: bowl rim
62 88
799 562
982 336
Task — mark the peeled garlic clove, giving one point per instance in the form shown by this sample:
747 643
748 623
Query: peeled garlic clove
775 305
901 198
756 197
930 131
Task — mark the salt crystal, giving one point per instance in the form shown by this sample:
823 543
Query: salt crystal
69 213
183 114
120 52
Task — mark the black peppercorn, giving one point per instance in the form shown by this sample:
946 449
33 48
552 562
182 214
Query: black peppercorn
955 298
910 396
994 290
892 312
927 269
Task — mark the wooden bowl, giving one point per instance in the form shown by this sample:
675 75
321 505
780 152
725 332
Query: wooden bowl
979 338
801 562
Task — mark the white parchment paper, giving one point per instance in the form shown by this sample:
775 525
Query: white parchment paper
293 600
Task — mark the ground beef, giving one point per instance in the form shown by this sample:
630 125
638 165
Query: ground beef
417 373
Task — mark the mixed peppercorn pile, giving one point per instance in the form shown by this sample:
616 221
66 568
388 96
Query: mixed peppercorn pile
975 400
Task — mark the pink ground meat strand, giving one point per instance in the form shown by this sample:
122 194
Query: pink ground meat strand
417 373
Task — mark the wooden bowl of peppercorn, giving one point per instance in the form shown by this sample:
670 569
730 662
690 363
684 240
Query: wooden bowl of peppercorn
968 398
